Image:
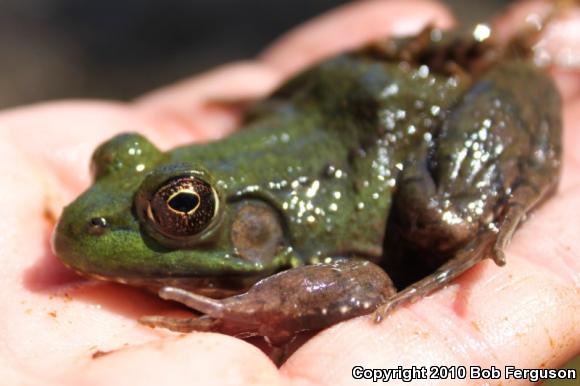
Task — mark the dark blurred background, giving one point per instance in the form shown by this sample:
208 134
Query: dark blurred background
119 49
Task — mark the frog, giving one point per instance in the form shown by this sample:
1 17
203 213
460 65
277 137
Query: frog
443 141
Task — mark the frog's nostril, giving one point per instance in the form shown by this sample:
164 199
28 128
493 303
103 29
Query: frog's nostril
97 226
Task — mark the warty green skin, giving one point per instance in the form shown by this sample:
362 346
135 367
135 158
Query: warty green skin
335 152
325 160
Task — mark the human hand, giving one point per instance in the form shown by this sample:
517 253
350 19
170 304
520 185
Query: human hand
526 314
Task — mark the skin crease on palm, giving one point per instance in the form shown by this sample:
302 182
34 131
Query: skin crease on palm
526 314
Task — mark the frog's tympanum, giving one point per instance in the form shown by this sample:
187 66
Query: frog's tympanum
441 141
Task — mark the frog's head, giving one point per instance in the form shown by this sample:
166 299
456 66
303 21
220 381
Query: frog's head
145 221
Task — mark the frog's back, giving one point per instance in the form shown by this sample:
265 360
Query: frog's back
327 147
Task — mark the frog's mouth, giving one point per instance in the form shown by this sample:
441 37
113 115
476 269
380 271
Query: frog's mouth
213 287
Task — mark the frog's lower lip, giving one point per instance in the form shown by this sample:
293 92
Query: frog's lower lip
212 287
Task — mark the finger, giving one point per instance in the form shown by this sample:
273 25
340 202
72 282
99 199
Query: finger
194 359
559 43
190 105
571 140
59 138
184 106
350 26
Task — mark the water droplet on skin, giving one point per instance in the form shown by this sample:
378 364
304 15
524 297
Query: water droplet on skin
390 90
481 32
387 117
313 189
423 71
482 134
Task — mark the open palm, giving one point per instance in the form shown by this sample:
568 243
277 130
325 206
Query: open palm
526 314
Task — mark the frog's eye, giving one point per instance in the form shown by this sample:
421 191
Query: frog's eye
182 207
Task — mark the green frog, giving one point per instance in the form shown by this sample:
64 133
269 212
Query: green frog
442 142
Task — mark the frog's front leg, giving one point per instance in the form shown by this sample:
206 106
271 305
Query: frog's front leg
278 307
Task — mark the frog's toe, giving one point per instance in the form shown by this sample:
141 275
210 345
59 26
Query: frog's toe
382 311
407 296
204 323
498 256
203 304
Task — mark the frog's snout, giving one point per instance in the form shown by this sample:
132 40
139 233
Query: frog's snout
70 231
61 241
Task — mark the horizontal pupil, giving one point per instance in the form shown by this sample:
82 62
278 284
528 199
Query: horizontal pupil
184 202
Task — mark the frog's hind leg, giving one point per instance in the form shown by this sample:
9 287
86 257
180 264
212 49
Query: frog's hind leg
490 242
465 197
438 224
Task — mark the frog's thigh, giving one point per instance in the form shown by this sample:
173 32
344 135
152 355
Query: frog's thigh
430 220
304 298
435 223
